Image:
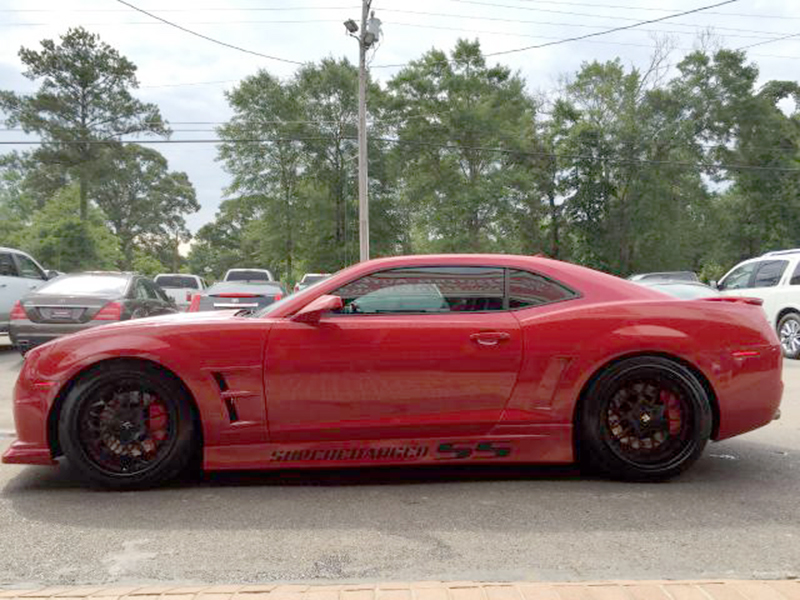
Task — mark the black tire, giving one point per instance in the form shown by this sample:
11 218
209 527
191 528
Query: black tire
621 427
95 430
789 335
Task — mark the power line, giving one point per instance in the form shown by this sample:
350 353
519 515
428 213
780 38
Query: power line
178 10
421 143
786 37
585 36
210 39
612 6
612 30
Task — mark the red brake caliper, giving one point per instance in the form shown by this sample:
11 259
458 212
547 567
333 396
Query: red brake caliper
157 422
673 411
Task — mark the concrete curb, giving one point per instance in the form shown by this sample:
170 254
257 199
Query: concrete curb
434 590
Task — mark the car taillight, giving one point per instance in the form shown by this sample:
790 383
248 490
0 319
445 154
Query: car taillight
188 296
110 312
278 296
17 313
195 305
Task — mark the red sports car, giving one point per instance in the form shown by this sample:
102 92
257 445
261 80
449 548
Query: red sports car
414 360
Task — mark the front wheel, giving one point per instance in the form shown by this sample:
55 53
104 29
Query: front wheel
789 334
644 419
127 426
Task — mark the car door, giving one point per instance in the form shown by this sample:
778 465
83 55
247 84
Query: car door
19 275
415 352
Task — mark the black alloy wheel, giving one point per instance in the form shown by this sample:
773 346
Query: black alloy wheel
127 426
644 419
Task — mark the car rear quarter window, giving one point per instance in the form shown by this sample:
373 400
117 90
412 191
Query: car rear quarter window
529 289
769 273
7 266
796 275
425 290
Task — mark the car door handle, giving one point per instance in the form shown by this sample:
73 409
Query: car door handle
490 338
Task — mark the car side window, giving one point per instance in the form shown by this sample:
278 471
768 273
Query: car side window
769 273
7 266
415 290
140 291
795 275
739 278
28 268
529 289
154 292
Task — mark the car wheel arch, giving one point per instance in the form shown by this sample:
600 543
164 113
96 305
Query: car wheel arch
54 413
783 312
712 396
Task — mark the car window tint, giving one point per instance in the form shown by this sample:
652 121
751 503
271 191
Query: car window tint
153 291
739 278
796 275
7 266
248 276
140 291
28 268
530 289
425 290
769 273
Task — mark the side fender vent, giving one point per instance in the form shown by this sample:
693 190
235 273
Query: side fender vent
220 379
233 416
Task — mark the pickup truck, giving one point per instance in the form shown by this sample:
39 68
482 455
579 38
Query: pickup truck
181 287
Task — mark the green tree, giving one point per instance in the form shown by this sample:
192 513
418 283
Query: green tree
61 240
83 104
145 203
451 114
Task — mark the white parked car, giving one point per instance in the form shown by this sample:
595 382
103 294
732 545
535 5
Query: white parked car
775 278
19 274
248 275
310 279
181 287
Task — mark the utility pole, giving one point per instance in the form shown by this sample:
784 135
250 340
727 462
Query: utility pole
367 36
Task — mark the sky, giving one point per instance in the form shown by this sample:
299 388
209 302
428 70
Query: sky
187 76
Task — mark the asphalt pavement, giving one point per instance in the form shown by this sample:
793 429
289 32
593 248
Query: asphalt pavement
735 514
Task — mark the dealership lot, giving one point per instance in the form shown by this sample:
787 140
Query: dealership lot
733 515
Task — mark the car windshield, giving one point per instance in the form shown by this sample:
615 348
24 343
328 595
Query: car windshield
247 275
176 281
85 284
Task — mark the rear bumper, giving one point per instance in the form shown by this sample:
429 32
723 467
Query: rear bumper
22 453
27 334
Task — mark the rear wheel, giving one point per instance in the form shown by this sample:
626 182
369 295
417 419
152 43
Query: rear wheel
644 419
789 334
127 426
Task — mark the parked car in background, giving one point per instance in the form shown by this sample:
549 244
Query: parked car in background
181 287
775 278
248 275
78 301
662 275
688 290
238 295
19 274
310 279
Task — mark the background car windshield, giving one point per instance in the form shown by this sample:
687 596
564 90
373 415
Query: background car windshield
71 285
685 292
310 279
176 281
247 276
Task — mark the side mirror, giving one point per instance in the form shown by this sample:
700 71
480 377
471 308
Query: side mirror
52 274
313 311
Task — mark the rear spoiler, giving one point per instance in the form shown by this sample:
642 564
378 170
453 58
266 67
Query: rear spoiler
735 299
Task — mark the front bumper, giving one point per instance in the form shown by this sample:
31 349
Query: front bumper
23 453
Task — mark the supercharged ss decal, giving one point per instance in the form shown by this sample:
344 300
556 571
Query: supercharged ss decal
336 454
450 450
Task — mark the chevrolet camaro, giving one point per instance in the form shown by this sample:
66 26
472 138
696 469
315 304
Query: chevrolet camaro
450 359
